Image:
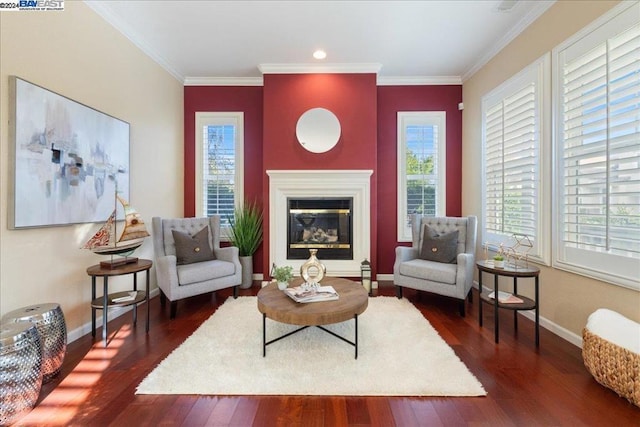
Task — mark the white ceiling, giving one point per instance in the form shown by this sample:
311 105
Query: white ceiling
440 42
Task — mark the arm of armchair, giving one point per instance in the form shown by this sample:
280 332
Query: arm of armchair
228 253
464 273
404 253
167 274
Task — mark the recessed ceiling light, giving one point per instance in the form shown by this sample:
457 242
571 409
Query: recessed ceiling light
319 54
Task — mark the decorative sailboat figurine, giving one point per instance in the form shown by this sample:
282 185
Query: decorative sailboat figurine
107 242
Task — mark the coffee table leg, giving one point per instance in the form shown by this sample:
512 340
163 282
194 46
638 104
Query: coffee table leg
264 335
355 318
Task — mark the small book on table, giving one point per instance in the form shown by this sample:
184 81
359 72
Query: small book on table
321 293
506 298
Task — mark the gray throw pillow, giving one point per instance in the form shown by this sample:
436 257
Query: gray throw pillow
190 249
439 248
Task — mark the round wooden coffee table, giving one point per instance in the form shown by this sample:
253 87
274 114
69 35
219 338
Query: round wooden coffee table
276 305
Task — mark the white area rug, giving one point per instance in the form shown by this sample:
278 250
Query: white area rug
399 354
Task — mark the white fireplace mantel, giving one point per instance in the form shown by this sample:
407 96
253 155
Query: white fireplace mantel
284 184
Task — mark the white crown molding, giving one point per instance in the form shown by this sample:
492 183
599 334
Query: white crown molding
419 81
223 81
382 81
355 68
539 8
133 36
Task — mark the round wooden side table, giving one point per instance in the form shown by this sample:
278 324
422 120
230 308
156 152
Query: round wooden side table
107 300
526 304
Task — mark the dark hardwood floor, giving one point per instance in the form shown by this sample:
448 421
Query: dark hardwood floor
527 386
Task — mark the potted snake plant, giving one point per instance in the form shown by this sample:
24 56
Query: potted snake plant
245 232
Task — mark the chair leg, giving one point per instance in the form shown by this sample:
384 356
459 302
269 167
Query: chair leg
461 307
173 309
235 292
399 292
163 299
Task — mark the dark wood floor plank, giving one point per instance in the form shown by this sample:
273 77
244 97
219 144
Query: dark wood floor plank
380 412
175 411
403 413
358 411
447 412
335 411
245 412
424 412
200 411
526 385
223 412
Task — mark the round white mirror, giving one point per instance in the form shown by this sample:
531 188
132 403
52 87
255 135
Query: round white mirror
318 130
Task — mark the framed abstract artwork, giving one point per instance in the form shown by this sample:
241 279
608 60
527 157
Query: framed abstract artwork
67 160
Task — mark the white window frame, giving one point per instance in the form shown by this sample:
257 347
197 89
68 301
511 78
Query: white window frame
616 269
538 74
412 118
235 118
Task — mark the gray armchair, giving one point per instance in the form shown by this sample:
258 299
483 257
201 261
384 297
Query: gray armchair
180 277
453 277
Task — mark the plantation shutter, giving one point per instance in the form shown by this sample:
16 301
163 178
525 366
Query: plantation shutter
511 125
601 145
422 178
599 149
421 169
219 170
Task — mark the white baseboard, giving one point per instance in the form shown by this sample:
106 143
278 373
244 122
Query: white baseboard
113 313
384 277
563 333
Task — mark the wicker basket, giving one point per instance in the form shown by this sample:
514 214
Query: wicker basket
612 366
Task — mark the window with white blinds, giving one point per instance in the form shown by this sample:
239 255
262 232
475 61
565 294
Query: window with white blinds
421 167
219 160
512 142
598 151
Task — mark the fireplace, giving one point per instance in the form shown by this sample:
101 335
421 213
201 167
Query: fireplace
319 223
354 185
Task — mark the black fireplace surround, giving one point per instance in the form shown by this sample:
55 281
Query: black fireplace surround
324 224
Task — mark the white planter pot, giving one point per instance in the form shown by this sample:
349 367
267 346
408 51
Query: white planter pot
283 285
247 271
498 264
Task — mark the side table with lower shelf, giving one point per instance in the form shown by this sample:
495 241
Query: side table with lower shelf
526 304
106 300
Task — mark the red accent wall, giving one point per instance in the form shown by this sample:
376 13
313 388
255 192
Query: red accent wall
367 115
247 99
392 99
351 97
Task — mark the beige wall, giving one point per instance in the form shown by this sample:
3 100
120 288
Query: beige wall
77 54
566 299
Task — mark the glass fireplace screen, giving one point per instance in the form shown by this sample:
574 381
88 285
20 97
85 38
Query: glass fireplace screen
320 223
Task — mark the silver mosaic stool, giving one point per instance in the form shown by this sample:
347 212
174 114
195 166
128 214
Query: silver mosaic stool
51 326
20 369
